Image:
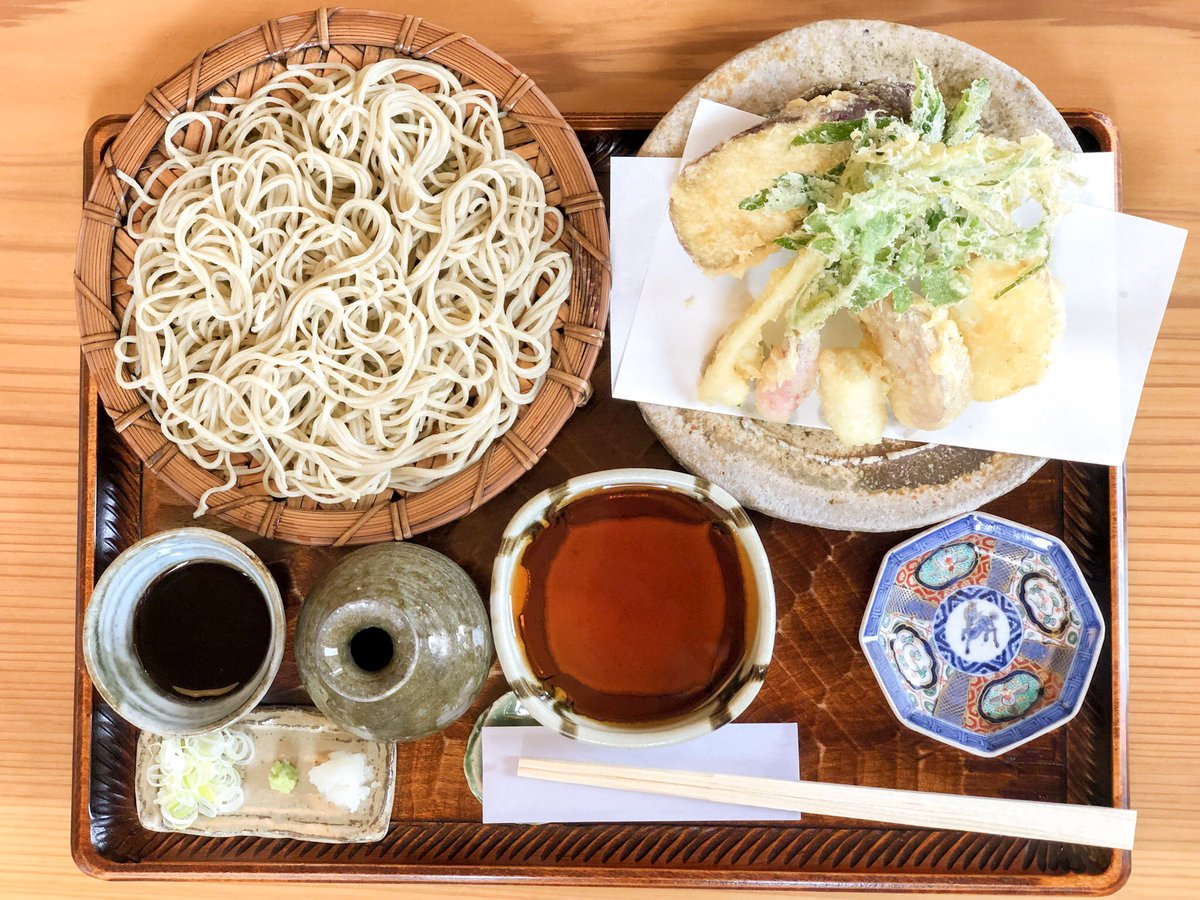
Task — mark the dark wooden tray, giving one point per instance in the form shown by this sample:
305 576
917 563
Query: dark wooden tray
819 678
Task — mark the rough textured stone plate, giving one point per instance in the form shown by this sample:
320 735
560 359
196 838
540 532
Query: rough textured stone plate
801 474
304 738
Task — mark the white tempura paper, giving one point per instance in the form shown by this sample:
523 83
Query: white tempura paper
1117 271
649 182
763 750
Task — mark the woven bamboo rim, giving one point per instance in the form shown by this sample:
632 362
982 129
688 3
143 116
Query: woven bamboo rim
534 128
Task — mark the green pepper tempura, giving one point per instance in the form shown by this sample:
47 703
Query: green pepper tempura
915 202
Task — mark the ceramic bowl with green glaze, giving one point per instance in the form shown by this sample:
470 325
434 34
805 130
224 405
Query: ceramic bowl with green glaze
393 642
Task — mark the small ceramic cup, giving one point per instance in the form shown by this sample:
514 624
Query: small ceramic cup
725 704
108 649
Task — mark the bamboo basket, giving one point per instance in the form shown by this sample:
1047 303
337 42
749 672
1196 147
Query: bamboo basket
238 66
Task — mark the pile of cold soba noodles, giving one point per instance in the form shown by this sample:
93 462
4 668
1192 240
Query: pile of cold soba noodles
352 276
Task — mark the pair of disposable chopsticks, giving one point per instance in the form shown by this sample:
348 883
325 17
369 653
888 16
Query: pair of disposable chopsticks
1069 823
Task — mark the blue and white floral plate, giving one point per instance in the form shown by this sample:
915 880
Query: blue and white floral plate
982 633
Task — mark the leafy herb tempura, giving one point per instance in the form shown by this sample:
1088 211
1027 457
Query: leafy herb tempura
916 202
935 236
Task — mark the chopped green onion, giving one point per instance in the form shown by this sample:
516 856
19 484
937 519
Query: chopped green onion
198 775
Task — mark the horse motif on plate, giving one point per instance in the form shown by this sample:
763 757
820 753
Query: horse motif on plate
977 630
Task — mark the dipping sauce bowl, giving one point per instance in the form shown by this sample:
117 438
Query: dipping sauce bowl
633 607
109 647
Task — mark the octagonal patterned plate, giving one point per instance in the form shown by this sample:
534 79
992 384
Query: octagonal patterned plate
982 633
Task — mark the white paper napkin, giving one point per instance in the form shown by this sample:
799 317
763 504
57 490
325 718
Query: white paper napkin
1117 270
764 750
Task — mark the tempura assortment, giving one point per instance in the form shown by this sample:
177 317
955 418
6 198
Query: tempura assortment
933 235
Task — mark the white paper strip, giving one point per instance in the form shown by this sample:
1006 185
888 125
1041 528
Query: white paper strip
767 750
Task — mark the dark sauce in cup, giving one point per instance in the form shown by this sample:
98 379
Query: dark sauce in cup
202 630
631 604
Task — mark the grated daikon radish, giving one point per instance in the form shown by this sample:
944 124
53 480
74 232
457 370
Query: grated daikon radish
345 780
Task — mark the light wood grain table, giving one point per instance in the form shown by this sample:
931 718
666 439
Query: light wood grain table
64 63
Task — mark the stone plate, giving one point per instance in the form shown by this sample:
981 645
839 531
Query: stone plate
802 474
304 738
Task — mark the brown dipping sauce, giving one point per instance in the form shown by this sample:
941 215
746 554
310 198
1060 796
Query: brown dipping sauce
202 630
631 604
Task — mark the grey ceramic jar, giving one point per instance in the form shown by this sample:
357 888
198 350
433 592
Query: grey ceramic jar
393 643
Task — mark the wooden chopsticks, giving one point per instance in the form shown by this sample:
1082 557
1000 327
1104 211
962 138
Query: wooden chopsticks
1069 823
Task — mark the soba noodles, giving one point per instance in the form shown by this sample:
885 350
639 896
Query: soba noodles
343 282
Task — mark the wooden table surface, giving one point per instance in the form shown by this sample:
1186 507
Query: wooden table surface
64 63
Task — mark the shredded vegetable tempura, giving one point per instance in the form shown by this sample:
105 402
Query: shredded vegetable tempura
916 202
